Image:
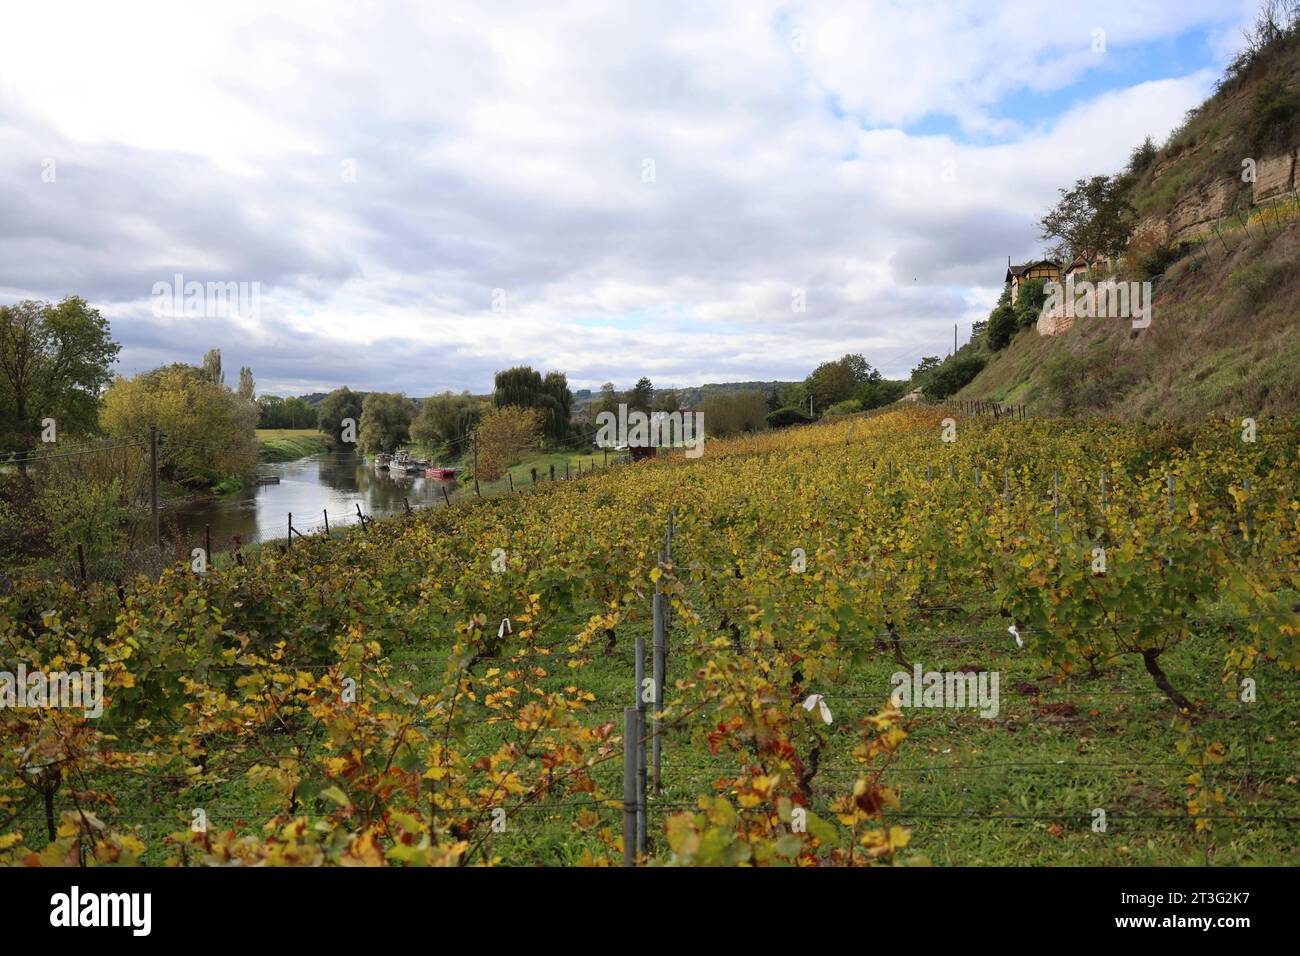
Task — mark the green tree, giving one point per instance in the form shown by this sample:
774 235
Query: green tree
953 375
731 413
270 411
385 422
881 392
556 412
837 381
524 387
641 397
335 407
923 369
785 417
54 361
1029 303
609 399
667 400
1002 322
447 420
212 367
247 388
1094 218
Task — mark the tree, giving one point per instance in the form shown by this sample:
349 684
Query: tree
337 405
297 414
785 417
1002 322
212 367
641 397
609 399
1094 218
207 432
731 413
247 389
448 420
953 375
54 361
385 422
524 387
667 400
1029 303
923 369
503 434
270 411
837 381
555 386
517 386
881 392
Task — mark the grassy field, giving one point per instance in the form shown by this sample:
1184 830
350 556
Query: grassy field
289 444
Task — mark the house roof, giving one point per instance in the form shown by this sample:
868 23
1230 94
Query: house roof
1018 271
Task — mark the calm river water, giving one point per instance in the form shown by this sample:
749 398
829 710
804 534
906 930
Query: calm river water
335 481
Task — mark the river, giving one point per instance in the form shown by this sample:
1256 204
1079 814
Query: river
335 481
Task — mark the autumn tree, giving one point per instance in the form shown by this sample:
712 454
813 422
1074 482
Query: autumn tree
503 434
207 431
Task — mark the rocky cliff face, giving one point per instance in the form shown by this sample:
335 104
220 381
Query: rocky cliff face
1196 212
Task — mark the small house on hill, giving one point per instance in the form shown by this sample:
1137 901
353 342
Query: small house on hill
1044 269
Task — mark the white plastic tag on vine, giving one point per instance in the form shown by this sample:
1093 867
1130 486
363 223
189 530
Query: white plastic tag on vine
1016 634
505 628
818 701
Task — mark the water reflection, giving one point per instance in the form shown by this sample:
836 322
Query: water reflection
335 481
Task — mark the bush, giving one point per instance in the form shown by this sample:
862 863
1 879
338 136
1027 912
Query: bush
882 392
1002 328
785 417
1092 382
1029 303
1273 120
953 375
1156 260
847 407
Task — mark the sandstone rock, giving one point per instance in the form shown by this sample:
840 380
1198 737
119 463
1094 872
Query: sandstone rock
1196 212
1152 230
1274 176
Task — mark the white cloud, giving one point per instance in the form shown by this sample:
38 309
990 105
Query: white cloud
502 146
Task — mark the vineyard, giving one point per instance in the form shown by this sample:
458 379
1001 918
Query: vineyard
451 687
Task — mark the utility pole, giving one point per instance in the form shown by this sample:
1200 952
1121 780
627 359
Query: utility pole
810 411
153 484
954 338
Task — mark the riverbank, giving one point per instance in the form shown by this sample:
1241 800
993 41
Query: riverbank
522 473
289 444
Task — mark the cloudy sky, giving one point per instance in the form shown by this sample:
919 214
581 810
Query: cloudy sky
427 192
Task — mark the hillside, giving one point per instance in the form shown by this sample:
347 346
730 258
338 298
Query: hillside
1217 248
477 692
